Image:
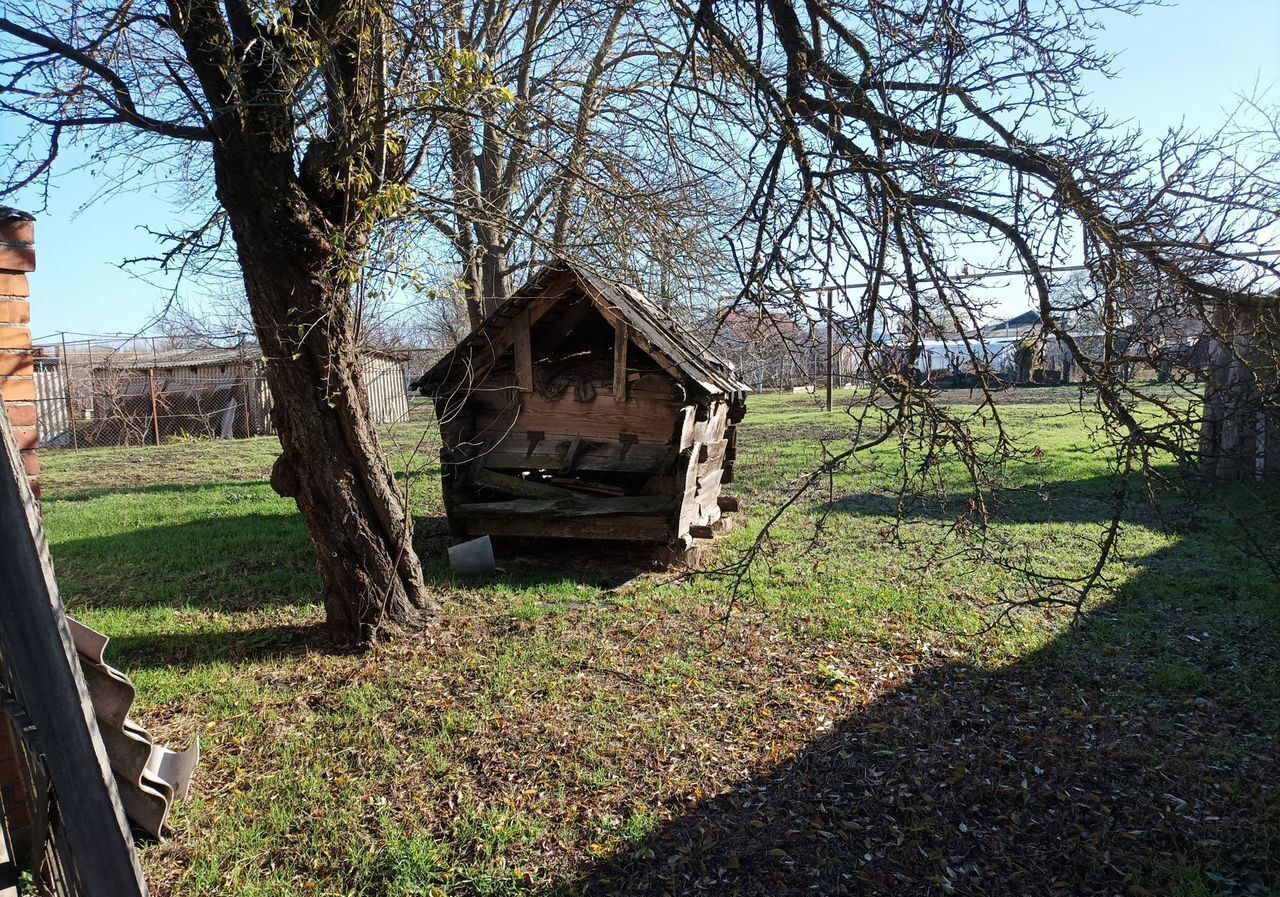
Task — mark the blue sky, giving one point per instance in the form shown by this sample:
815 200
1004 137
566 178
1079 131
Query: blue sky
1186 62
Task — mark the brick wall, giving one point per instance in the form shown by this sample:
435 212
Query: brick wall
17 386
17 371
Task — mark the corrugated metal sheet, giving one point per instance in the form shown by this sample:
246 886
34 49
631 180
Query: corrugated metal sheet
149 777
385 380
53 413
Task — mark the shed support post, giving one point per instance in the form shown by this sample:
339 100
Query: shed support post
523 351
621 336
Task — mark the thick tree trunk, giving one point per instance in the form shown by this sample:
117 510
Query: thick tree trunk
331 464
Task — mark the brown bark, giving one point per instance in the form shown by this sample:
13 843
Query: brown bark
331 464
287 221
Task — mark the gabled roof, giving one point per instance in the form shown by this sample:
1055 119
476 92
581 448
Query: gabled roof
652 329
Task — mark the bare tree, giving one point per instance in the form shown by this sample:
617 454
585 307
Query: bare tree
914 147
295 114
907 146
326 131
588 155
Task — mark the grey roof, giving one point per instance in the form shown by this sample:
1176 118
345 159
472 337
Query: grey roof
705 371
1028 320
177 358
204 357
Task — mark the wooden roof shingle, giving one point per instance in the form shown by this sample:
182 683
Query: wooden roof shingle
652 329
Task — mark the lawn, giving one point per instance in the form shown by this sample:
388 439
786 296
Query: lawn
850 727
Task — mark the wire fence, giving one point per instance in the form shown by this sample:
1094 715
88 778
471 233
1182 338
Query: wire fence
100 391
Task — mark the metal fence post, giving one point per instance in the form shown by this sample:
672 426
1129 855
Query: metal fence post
65 361
249 384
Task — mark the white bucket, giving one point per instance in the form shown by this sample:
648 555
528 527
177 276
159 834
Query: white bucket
472 558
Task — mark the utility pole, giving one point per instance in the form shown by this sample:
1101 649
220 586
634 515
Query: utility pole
831 300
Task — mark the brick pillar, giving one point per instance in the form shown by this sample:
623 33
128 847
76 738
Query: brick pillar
17 366
18 388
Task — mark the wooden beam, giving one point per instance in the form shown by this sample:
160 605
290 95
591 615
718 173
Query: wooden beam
577 506
548 453
621 529
523 350
484 357
44 676
621 336
502 482
611 314
650 418
728 503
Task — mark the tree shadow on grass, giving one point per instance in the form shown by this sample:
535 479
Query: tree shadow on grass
1137 754
1067 501
237 562
190 650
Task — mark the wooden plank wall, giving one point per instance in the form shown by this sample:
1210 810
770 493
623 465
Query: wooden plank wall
637 433
530 431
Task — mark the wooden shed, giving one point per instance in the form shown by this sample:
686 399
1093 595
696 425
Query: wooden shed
215 392
579 409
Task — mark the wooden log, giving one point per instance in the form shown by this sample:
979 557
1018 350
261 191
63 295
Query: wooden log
687 476
548 452
698 531
711 456
712 429
520 486
574 506
729 503
589 486
685 423
710 484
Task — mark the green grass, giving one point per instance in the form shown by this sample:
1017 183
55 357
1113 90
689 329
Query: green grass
550 735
